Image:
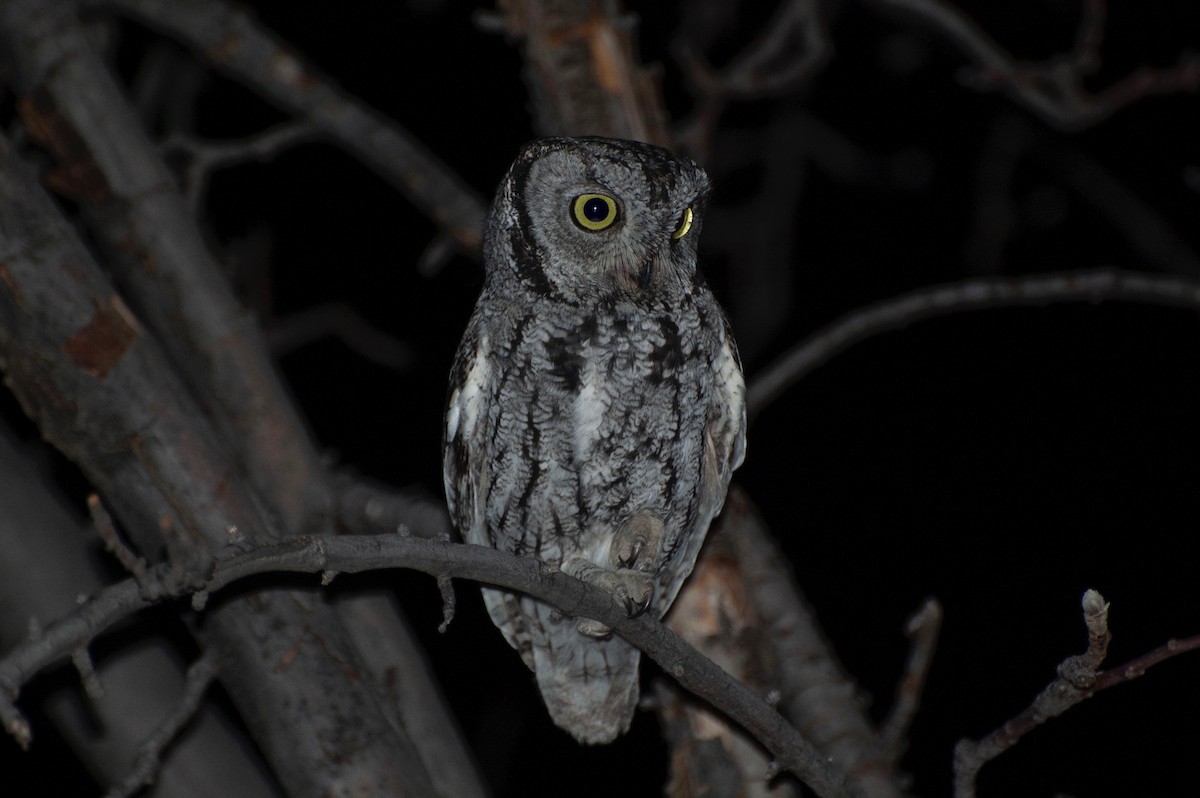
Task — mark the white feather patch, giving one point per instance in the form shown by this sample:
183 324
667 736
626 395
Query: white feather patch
466 402
590 406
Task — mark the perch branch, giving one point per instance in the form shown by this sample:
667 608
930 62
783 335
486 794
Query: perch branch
1054 89
355 554
1079 678
1095 285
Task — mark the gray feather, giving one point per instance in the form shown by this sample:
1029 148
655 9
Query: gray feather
596 406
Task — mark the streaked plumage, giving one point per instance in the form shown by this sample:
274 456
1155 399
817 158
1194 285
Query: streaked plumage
596 404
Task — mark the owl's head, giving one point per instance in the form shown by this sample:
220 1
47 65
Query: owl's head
594 214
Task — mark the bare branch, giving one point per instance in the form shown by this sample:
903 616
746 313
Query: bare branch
1095 285
234 43
1079 678
105 161
340 321
150 758
922 629
773 64
356 554
364 507
584 72
814 690
102 390
1053 90
791 48
208 156
713 612
129 559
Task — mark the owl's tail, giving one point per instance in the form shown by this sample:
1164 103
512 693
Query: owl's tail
590 685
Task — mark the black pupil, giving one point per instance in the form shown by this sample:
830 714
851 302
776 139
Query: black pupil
595 209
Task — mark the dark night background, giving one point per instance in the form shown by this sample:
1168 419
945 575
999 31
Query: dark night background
1002 461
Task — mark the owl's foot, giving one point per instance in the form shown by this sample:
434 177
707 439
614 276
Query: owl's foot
634 589
638 541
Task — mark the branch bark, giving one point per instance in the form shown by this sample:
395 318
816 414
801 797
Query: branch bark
441 559
101 390
234 43
1094 285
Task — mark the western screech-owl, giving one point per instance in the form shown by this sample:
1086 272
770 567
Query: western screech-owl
597 407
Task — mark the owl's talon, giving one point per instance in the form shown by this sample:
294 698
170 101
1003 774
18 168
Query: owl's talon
637 541
635 591
635 608
593 628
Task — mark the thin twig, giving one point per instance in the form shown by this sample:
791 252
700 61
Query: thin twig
236 44
922 628
1053 89
103 522
355 554
150 755
339 320
81 658
1079 678
772 64
1094 285
208 156
792 47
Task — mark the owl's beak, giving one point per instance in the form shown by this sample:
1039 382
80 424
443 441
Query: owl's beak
645 274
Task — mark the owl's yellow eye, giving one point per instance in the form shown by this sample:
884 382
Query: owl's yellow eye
685 224
594 211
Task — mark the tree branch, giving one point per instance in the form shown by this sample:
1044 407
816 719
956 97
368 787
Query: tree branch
815 693
359 553
1079 678
102 391
205 157
234 43
1096 285
1053 90
150 758
583 70
922 629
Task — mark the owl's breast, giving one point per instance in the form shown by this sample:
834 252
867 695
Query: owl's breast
637 418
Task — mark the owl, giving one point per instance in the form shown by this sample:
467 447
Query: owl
596 405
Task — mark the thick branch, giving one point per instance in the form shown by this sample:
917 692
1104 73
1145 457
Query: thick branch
104 393
583 70
72 106
927 303
43 570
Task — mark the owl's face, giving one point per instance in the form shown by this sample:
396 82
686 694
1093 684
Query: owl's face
574 215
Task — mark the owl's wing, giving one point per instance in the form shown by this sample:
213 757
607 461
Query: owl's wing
465 470
724 447
725 432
